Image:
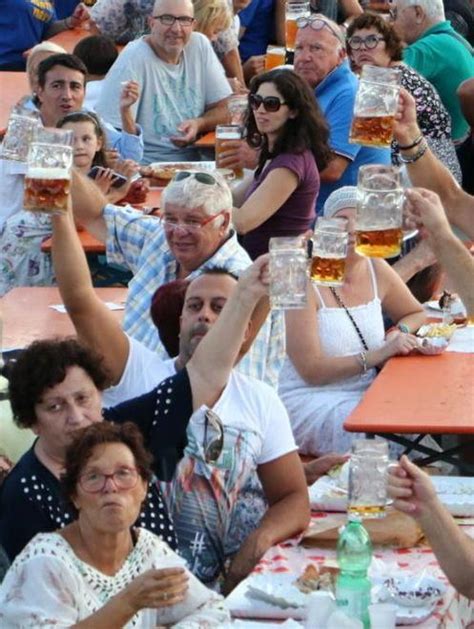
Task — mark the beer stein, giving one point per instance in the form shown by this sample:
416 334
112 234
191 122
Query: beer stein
237 105
379 213
288 272
18 136
274 57
368 470
225 132
375 106
48 174
294 10
330 241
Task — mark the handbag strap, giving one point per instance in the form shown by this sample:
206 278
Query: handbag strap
341 304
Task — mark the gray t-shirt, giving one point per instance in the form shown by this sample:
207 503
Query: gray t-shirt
169 93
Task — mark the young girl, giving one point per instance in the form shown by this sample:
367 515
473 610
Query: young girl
284 121
22 263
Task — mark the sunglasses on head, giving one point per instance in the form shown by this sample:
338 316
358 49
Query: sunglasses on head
317 24
270 103
205 178
213 448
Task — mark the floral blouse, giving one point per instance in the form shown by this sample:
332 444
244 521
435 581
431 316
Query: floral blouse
48 586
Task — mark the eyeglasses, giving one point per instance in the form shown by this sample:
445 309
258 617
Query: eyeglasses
94 482
190 226
369 42
317 24
169 20
213 448
270 103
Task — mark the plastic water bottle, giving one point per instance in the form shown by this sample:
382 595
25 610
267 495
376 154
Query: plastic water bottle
354 555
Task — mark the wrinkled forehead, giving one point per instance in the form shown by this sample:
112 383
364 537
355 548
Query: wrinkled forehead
173 7
211 286
308 35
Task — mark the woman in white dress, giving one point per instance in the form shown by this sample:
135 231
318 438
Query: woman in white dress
335 344
99 571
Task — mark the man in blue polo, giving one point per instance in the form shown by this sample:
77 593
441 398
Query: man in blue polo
320 58
437 52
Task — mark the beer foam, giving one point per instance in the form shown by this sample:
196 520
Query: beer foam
230 135
37 172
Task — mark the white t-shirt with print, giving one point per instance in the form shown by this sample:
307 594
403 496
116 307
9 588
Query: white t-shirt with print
169 93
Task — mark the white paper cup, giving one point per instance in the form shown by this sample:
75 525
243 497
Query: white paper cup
382 615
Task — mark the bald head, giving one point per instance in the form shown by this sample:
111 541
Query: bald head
170 6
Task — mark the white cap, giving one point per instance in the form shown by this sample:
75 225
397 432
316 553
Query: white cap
339 199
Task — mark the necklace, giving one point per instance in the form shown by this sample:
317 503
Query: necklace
341 304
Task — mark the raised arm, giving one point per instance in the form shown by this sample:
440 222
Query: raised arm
428 172
270 195
95 325
211 364
88 204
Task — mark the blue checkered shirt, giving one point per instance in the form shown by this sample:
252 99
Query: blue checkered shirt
138 242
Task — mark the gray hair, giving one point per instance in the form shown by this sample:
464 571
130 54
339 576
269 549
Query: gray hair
191 193
434 9
333 27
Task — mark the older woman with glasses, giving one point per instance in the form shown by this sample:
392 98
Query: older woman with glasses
286 124
372 40
100 571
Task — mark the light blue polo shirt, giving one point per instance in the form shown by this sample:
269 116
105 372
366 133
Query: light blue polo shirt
336 95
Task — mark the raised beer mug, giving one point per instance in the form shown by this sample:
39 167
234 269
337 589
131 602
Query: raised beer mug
274 57
48 174
379 213
226 132
368 468
19 134
288 272
375 106
330 240
294 10
237 105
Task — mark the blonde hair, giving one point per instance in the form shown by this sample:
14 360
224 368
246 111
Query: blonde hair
209 12
44 46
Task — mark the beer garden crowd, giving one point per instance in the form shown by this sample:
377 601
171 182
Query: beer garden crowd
241 406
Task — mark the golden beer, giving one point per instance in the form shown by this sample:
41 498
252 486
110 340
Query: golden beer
372 130
224 135
380 243
46 190
329 271
274 57
367 511
290 32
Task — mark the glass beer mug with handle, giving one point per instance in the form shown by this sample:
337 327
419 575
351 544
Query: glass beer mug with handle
329 254
368 470
379 213
288 272
18 136
375 106
293 10
48 174
225 132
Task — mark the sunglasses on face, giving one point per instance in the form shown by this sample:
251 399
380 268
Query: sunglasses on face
370 42
213 448
317 24
270 103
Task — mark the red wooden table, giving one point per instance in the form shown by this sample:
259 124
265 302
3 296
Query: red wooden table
420 395
27 316
207 141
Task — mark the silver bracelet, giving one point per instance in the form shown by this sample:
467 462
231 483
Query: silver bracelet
416 156
362 358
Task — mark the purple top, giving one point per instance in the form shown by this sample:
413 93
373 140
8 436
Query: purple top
297 214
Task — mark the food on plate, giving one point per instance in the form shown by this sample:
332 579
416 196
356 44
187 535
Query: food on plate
435 330
161 173
412 592
313 578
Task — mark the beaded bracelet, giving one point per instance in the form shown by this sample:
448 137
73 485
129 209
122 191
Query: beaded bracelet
412 145
414 158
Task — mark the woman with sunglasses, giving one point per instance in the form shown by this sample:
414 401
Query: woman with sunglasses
100 571
286 124
372 40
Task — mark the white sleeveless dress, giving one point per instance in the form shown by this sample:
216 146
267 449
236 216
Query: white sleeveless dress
317 413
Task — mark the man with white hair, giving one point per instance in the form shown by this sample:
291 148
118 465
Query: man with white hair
194 231
437 52
183 87
320 58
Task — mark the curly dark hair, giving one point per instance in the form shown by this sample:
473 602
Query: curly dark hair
308 130
393 43
89 116
44 364
79 451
